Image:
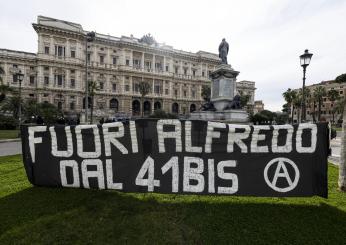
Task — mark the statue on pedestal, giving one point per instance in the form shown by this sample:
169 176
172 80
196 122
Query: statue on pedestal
223 51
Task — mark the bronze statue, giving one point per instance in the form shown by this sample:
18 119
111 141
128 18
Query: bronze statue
223 51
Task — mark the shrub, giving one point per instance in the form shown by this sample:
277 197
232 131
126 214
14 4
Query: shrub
7 122
162 114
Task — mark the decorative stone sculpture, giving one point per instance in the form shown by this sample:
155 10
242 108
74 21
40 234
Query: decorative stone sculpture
223 51
224 104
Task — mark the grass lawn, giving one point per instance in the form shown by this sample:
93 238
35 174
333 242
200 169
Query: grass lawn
38 215
8 134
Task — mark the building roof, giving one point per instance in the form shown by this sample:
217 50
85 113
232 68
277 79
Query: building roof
78 29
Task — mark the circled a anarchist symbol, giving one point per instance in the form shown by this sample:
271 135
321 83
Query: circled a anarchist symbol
281 171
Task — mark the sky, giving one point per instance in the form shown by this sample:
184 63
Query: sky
266 37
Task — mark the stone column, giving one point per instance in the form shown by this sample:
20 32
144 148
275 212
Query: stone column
142 61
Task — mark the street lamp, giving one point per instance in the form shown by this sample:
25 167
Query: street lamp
89 37
304 62
20 77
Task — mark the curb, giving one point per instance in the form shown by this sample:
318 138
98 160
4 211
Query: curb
10 140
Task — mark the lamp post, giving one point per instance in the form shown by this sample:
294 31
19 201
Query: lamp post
20 77
304 62
90 36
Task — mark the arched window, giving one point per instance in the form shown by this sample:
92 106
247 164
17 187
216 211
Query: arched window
192 107
89 102
175 108
147 107
114 104
136 107
157 105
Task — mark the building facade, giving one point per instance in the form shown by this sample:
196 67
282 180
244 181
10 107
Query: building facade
258 106
327 108
56 73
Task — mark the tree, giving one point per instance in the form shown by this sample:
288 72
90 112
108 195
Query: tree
2 72
289 97
48 112
206 93
318 94
4 89
341 78
244 99
11 105
93 87
297 102
342 167
333 95
341 105
144 89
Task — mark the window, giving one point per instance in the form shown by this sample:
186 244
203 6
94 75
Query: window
176 70
185 94
136 63
158 66
114 60
167 68
202 73
167 91
72 105
193 94
185 71
59 51
175 92
148 65
194 73
341 92
101 49
31 95
73 83
46 68
58 79
73 54
157 88
46 80
46 50
88 57
101 59
114 87
101 85
45 95
136 87
127 87
32 80
127 62
72 71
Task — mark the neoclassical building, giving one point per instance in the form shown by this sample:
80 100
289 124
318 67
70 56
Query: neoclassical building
56 73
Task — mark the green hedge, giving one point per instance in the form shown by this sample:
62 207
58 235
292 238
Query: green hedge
7 122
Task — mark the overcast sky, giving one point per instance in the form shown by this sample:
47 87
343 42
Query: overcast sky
266 37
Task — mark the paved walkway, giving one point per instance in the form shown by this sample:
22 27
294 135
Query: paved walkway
10 148
335 144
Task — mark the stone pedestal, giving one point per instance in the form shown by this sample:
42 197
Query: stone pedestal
232 116
223 87
223 90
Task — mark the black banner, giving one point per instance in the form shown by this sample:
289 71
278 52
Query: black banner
175 156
